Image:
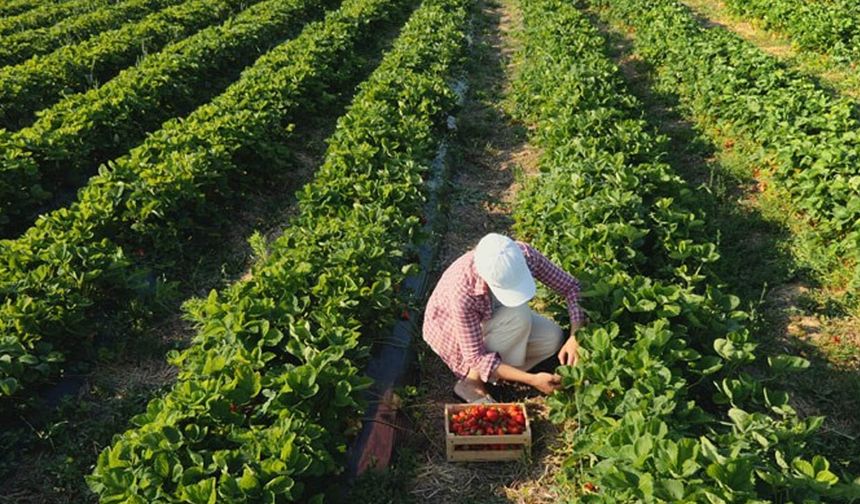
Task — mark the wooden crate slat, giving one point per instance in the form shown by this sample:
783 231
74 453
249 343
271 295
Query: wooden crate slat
501 439
485 456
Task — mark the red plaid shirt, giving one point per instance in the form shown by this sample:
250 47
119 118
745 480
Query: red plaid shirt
462 300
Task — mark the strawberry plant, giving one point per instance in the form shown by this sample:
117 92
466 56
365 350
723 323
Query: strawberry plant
664 406
269 388
73 260
41 81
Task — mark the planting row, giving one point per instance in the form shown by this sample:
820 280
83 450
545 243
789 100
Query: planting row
15 7
70 139
664 410
161 195
49 13
43 80
805 139
831 27
271 388
18 47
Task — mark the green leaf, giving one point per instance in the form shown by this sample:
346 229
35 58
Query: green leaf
273 337
247 385
820 463
28 359
787 363
710 451
281 485
646 486
827 477
115 457
202 492
775 398
780 459
645 305
803 467
740 418
598 340
249 481
172 434
161 465
725 348
8 386
643 447
214 363
674 488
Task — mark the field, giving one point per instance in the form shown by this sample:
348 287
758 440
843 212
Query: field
220 221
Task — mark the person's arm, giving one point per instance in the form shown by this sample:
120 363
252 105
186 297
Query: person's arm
545 382
560 281
565 285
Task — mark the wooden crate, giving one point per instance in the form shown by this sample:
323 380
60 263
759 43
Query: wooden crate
455 444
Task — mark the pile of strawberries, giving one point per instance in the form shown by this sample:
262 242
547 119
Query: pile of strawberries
483 420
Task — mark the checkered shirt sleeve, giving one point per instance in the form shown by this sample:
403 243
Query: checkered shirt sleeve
556 279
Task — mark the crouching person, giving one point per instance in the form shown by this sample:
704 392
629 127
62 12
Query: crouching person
479 322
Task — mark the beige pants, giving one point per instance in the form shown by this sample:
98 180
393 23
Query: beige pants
521 337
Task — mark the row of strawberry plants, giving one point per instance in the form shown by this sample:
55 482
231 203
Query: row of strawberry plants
17 47
805 139
15 7
271 387
43 80
651 426
49 13
831 27
161 195
70 139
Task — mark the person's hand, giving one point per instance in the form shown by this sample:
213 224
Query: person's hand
568 355
546 382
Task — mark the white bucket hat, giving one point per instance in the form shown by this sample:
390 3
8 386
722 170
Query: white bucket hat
500 262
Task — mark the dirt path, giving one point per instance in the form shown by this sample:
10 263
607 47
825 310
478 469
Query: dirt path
832 74
794 314
490 156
